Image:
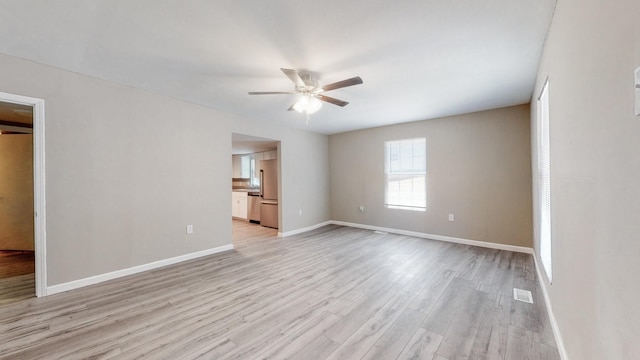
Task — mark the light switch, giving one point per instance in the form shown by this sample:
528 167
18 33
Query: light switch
637 86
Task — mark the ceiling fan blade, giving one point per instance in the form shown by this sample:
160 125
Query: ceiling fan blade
293 75
269 92
331 100
344 83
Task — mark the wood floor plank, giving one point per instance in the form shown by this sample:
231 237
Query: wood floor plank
358 344
491 338
350 323
307 338
522 345
331 293
394 340
461 333
423 345
319 349
17 276
435 286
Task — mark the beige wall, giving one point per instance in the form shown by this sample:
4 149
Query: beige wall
16 192
478 168
590 54
127 170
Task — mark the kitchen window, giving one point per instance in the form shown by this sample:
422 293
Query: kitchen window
406 174
254 175
245 166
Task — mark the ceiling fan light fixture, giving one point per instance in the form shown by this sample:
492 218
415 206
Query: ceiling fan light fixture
313 105
301 105
307 104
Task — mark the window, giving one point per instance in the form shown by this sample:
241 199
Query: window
245 166
406 174
544 179
255 179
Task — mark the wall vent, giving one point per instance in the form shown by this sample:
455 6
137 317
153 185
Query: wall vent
523 295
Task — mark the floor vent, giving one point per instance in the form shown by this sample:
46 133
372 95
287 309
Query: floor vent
523 295
380 232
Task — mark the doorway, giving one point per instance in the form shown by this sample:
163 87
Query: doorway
255 168
22 237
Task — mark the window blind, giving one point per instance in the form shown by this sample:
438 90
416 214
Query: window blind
544 179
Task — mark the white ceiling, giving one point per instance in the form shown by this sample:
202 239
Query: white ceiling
418 59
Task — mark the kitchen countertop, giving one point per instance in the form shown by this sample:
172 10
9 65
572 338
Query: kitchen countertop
248 191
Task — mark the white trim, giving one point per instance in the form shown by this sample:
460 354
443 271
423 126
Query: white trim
485 244
552 318
75 284
304 229
39 198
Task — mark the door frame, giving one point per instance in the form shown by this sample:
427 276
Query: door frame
39 208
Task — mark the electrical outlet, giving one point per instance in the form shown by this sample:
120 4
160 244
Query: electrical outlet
189 229
451 217
361 208
300 212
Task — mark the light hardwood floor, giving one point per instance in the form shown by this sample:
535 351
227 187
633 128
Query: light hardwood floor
332 293
17 276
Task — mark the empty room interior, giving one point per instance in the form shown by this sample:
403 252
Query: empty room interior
320 180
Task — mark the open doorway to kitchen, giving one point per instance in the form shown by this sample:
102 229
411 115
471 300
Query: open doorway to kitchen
255 187
22 243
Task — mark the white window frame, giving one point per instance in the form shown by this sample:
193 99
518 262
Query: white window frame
253 173
544 180
414 177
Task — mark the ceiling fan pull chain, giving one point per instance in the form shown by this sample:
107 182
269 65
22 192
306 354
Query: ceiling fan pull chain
307 116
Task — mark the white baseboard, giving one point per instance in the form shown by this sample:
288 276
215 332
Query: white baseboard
552 318
75 284
304 229
485 244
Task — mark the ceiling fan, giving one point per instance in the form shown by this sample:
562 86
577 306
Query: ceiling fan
311 92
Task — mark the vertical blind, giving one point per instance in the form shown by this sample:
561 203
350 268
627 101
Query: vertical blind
544 179
405 174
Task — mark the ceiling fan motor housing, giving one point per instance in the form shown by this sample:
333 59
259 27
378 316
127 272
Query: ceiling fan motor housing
309 81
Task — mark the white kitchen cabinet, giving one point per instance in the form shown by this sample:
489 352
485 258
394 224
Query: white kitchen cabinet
241 166
269 155
237 166
239 204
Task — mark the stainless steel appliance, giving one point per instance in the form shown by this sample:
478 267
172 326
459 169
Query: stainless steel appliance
254 207
269 193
